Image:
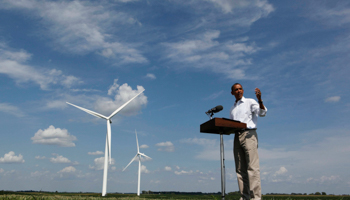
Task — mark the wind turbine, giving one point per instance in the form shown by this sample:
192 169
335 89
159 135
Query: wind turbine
138 154
108 138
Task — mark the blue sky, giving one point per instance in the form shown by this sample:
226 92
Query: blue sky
186 55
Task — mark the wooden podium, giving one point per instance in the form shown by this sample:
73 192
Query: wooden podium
222 126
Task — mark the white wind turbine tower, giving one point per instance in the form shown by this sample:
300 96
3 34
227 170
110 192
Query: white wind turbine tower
138 154
108 138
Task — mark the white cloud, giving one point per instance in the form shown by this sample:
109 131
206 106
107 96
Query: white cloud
332 99
329 14
191 47
166 146
144 170
69 169
282 170
82 27
324 179
39 173
99 163
167 168
205 52
10 157
54 136
1 170
12 64
151 76
10 109
260 8
242 48
123 94
59 159
114 87
96 153
70 172
183 172
40 157
144 146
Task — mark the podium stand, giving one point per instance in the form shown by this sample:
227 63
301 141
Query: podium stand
222 126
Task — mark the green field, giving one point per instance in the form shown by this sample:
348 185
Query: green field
69 196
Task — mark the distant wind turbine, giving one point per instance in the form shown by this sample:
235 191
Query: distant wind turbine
138 154
108 138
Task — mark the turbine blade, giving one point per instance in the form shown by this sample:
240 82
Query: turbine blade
137 142
109 136
142 154
88 111
121 107
132 160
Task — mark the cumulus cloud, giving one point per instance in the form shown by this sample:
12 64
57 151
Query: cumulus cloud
123 93
144 170
151 76
69 169
10 109
10 157
282 170
39 173
54 136
99 164
12 63
166 146
83 28
167 168
324 179
70 172
40 157
332 99
144 146
183 172
96 153
59 159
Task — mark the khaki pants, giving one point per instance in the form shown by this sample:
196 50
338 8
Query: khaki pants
245 151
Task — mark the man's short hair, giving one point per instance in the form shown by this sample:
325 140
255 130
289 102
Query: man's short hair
236 84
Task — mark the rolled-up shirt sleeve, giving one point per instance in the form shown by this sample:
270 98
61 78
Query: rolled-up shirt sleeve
262 112
256 109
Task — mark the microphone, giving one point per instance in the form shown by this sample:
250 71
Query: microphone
215 109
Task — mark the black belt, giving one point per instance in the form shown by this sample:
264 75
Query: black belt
245 129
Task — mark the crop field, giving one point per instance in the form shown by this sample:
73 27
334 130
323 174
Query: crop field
95 196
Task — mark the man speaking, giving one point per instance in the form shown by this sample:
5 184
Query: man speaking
245 148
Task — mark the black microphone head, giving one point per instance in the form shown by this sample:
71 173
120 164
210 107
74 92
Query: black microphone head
218 109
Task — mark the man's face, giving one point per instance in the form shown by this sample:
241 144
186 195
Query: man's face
237 91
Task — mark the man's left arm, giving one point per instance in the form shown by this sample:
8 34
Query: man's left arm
258 96
261 103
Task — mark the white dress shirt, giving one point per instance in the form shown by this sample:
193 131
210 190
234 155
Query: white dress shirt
247 110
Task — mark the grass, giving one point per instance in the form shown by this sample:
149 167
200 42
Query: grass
95 196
